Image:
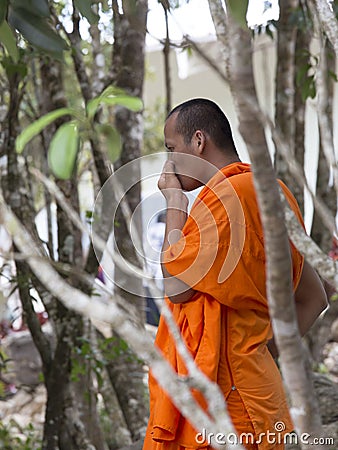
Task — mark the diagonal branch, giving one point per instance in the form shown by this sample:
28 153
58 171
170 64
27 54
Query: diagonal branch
277 247
197 379
177 387
326 267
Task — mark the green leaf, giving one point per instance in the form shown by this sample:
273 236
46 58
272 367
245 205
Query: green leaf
37 31
308 88
38 7
269 32
12 68
113 96
301 72
113 140
85 8
3 10
63 150
36 127
8 39
333 75
129 102
238 10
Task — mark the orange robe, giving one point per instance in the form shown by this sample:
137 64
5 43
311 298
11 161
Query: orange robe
226 325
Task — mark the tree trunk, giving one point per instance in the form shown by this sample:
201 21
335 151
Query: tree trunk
166 58
320 234
303 39
55 367
277 247
285 115
68 326
128 74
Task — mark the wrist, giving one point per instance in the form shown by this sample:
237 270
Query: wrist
176 199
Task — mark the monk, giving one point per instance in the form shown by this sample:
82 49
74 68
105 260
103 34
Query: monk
213 265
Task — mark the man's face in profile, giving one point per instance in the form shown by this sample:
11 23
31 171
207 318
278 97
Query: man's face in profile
187 164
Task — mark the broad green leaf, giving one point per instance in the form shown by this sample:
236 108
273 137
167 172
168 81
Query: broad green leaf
63 150
238 10
8 40
85 8
3 10
36 127
112 139
93 104
132 103
37 31
37 7
111 99
112 90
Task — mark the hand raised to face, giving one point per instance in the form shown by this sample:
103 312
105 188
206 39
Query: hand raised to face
168 178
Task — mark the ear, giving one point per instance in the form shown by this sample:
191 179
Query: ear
199 141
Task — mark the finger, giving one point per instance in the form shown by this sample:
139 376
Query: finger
169 167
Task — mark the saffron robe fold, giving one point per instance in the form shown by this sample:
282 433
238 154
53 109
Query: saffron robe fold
226 324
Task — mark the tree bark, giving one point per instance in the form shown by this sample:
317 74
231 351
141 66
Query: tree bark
303 39
277 247
325 190
55 367
166 55
128 74
285 94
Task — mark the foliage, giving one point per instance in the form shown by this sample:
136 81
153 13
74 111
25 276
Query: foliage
8 40
305 76
31 19
84 353
86 9
108 350
25 439
4 360
65 143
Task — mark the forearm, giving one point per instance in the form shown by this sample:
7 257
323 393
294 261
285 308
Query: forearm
307 313
177 204
176 217
310 302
